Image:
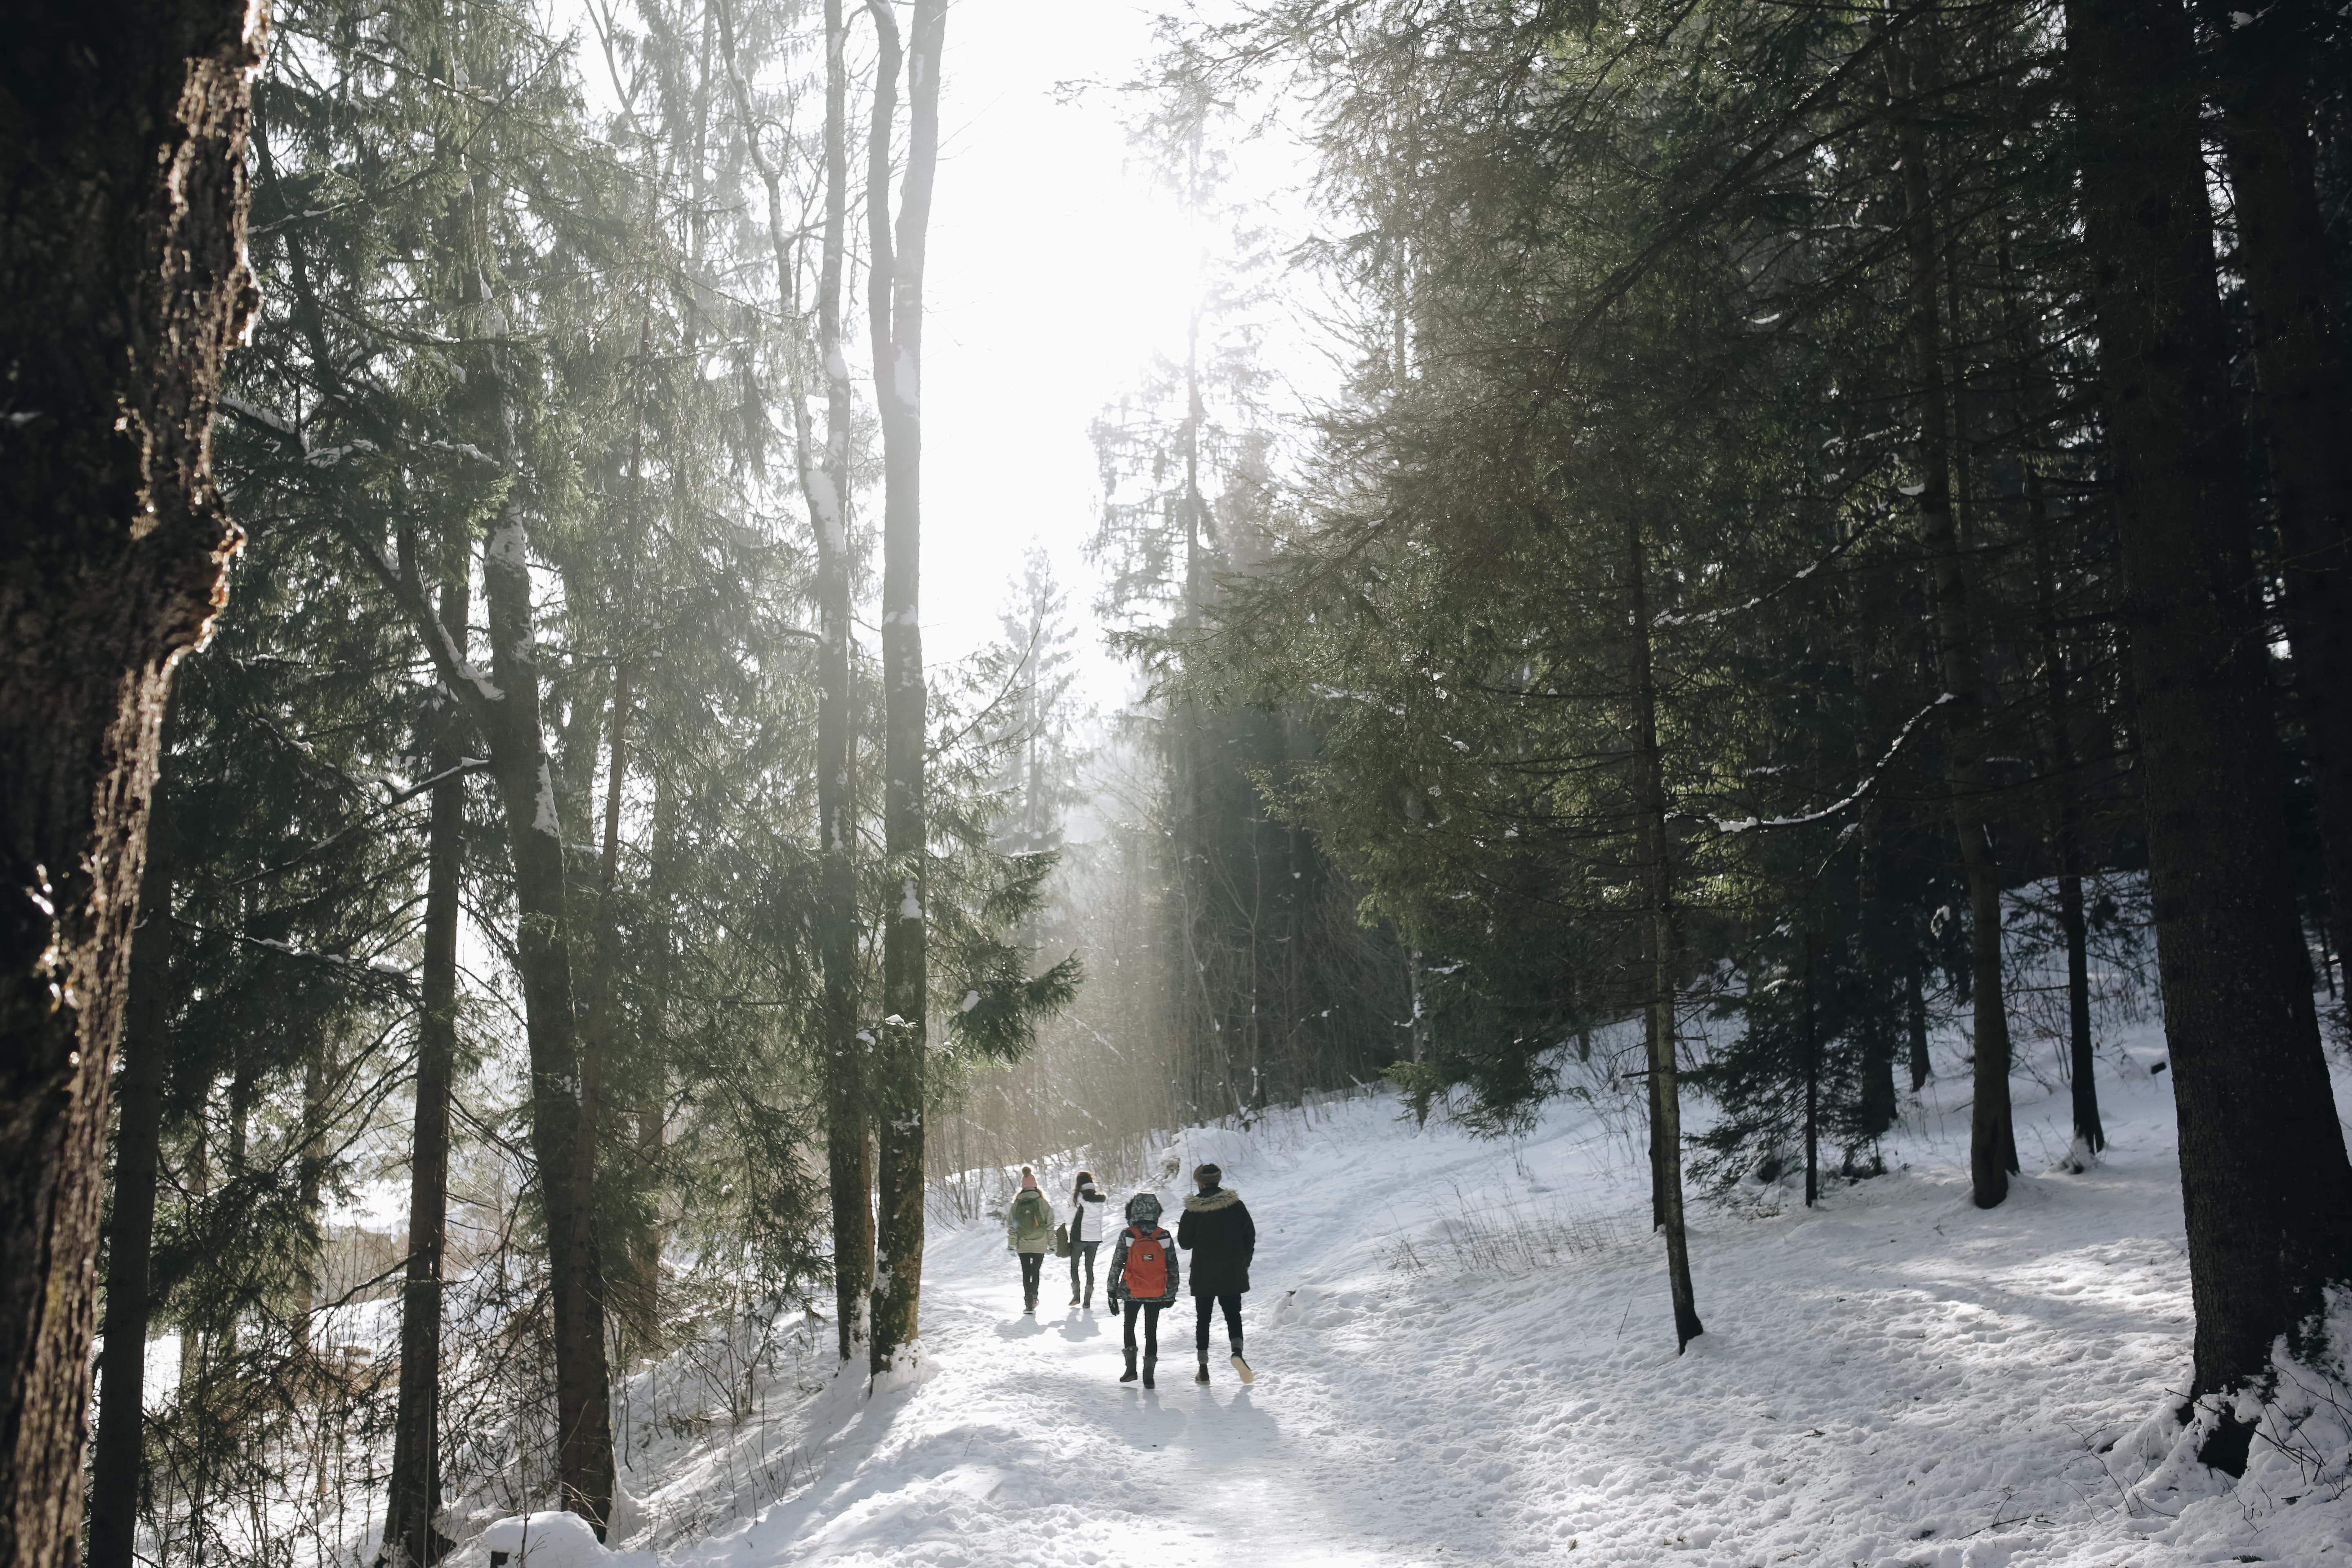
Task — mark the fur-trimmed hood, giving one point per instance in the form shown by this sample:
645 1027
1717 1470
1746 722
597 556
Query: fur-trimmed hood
1209 1203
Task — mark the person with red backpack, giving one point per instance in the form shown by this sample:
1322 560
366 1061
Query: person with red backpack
1143 1279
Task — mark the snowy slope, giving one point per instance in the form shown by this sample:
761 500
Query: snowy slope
1465 1354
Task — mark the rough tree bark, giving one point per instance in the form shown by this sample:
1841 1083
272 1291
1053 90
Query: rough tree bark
2263 87
118 1458
1992 1142
2267 1191
409 1539
894 310
122 284
1652 851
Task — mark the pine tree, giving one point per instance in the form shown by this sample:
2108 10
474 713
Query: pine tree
2264 1236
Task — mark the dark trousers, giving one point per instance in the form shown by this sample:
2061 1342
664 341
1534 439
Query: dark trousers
1203 1306
1085 1250
1032 1267
1151 1310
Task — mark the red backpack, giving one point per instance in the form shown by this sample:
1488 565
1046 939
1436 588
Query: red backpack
1145 1277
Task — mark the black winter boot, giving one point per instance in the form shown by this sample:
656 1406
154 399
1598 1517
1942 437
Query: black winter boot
1148 1362
1128 1376
1202 1375
1243 1367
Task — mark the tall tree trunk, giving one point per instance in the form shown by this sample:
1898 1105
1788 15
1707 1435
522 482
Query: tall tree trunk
1915 1014
1873 938
1992 1142
506 712
824 484
504 707
311 1167
2266 1191
2263 85
1813 1082
895 305
599 996
2060 797
849 1166
2062 789
561 1138
1652 851
652 1109
197 1337
196 1184
118 1460
604 1003
410 1540
122 284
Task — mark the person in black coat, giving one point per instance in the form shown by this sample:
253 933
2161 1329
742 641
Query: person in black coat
1218 1232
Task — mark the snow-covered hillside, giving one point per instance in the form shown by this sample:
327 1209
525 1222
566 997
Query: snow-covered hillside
1464 1355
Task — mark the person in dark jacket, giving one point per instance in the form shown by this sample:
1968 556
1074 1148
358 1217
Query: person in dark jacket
1218 1232
1143 1253
1086 1206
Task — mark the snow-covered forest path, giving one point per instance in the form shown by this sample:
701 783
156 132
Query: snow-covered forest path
1464 1355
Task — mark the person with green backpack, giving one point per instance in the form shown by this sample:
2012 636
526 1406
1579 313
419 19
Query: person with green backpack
1029 1231
1143 1277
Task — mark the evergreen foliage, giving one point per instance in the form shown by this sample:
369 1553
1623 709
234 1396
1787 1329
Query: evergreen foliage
1700 617
484 304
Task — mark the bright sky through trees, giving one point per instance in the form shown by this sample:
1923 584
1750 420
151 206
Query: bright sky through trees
1057 274
1057 271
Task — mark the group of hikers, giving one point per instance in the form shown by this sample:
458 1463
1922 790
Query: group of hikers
1215 1228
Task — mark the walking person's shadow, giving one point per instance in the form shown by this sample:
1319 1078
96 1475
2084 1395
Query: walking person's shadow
1239 1424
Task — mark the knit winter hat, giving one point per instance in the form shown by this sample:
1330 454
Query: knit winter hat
1028 1180
1143 1208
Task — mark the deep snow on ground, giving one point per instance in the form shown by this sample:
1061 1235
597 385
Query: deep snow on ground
1465 1354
